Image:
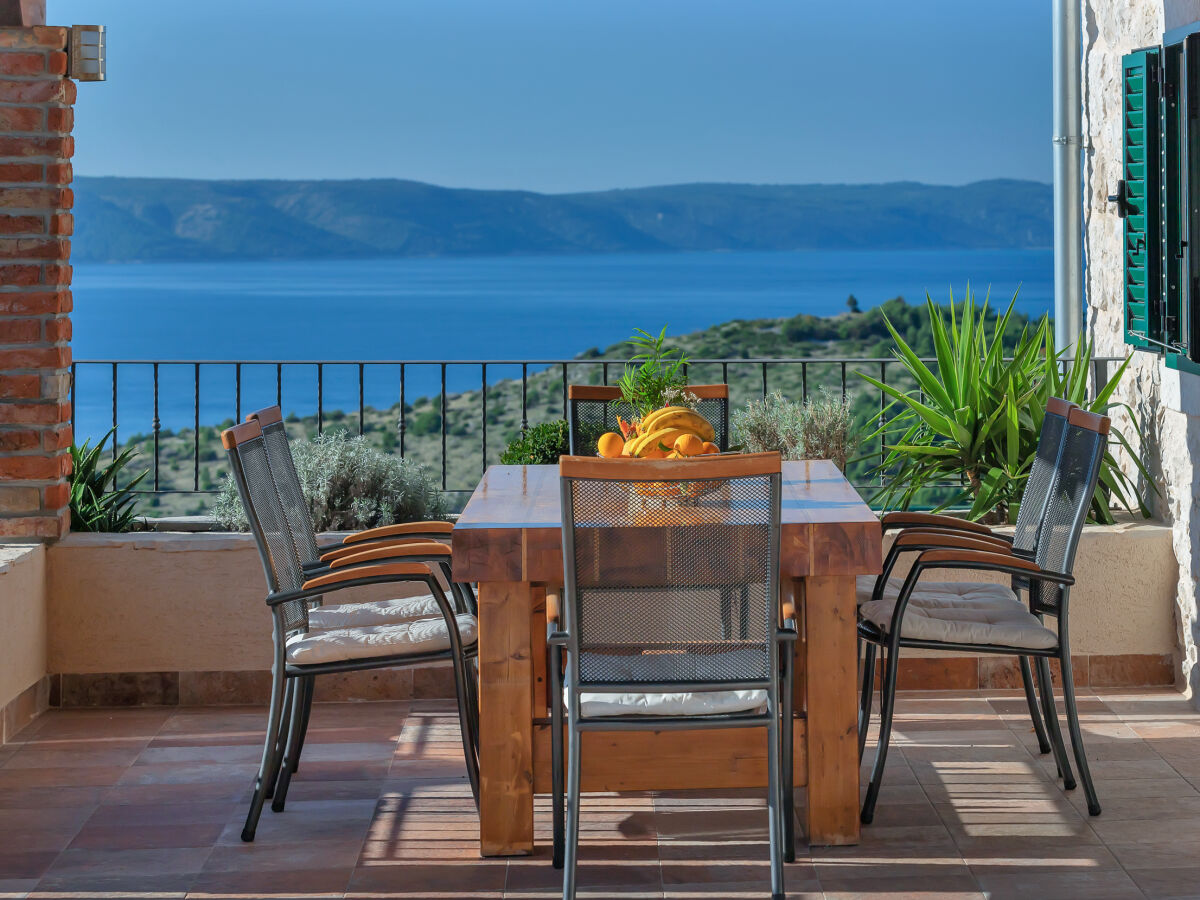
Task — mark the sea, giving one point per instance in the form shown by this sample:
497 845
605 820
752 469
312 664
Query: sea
473 309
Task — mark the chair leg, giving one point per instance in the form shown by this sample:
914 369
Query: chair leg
864 700
1031 699
291 749
309 684
466 730
887 705
285 723
775 826
270 748
471 667
1081 763
571 844
787 753
1046 687
556 753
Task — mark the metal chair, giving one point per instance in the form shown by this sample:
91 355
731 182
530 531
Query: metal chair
300 653
410 542
1001 623
926 531
650 549
593 410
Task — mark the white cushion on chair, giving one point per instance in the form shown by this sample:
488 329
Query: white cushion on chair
699 703
426 635
377 612
962 612
936 593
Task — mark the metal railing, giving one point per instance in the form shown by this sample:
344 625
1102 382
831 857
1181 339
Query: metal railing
250 384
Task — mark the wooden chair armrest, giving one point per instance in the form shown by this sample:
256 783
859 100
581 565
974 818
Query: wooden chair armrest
392 551
964 559
904 519
344 550
916 537
403 528
398 570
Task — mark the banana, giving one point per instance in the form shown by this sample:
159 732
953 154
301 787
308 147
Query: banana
664 436
689 421
647 424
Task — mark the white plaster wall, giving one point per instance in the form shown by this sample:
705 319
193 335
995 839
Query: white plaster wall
22 618
1166 405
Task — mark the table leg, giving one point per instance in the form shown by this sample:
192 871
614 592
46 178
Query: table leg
831 686
505 720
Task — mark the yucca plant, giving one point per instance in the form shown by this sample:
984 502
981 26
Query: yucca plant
97 504
975 422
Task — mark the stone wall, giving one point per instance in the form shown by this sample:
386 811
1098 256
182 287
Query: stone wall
1165 403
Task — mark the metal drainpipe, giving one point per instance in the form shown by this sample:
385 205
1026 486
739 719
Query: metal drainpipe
1068 173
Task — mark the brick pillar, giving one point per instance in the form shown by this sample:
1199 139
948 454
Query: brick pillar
36 117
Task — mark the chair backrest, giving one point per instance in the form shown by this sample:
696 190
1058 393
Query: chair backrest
1032 511
287 482
272 533
1072 490
593 410
654 553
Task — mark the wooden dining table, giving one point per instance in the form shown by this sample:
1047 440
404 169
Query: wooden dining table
509 540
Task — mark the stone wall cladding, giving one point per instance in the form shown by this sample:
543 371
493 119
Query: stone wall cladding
1112 28
36 118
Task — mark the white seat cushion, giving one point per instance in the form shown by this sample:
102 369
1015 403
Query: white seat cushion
402 639
929 591
700 703
963 612
377 612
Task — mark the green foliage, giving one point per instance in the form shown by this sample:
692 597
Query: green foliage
827 428
976 421
540 445
820 428
349 486
97 504
647 387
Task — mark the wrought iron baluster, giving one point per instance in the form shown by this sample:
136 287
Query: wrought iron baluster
764 379
443 407
843 379
524 396
320 398
402 418
483 404
564 389
237 392
361 377
74 379
804 381
196 427
882 410
114 411
279 386
156 426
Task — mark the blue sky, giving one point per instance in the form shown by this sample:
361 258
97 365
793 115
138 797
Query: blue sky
561 95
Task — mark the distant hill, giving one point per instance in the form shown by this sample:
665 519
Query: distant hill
160 219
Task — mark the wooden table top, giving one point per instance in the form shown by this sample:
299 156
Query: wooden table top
511 527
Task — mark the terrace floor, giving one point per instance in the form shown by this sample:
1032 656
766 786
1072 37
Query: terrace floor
150 802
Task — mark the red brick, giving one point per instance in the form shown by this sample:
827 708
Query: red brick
36 526
20 331
20 387
18 172
37 197
35 248
36 358
56 438
22 224
24 439
56 496
59 173
19 274
34 413
56 330
35 468
35 303
59 118
56 147
56 62
62 223
23 63
14 499
52 274
41 36
53 91
25 118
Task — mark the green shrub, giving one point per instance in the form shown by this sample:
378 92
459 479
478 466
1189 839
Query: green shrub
827 428
540 445
816 429
97 504
349 486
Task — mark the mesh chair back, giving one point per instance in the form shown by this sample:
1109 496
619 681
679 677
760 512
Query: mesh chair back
295 507
272 532
1071 492
593 410
1041 475
654 554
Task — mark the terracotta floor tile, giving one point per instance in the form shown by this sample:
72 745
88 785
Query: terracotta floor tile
421 880
308 881
129 863
1105 885
958 886
26 864
146 837
1168 883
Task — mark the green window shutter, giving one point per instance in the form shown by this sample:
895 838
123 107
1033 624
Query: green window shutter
1142 221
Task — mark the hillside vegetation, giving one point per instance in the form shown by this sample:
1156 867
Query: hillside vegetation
823 340
149 219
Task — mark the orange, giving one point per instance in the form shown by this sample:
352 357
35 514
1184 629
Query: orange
710 447
689 445
654 453
610 445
